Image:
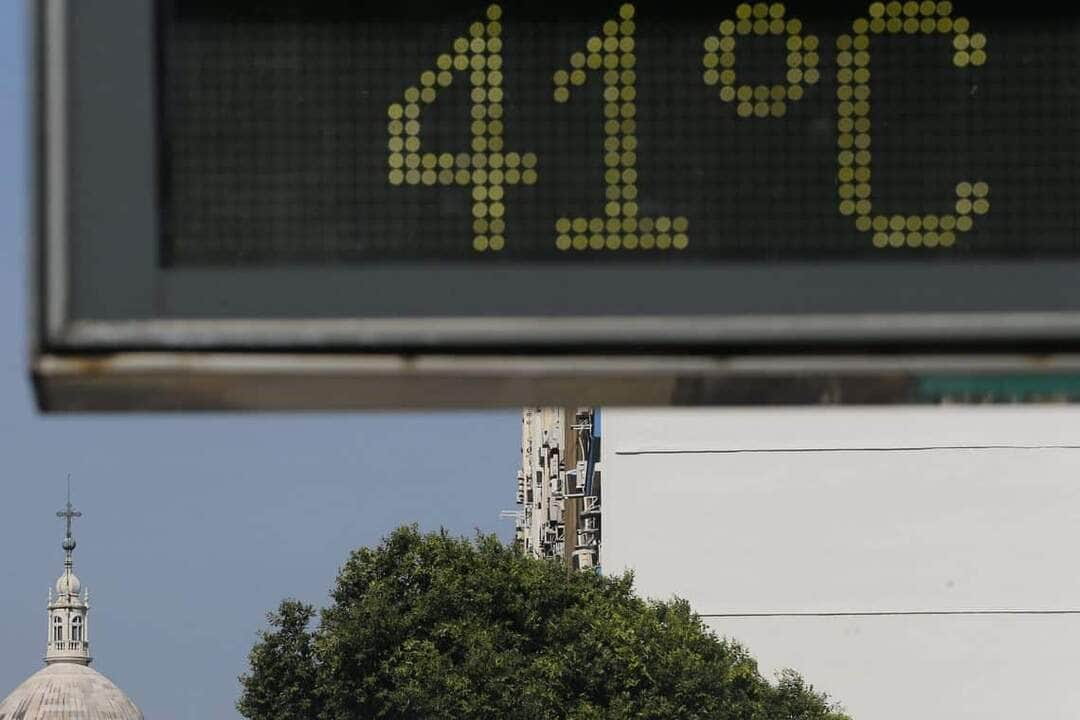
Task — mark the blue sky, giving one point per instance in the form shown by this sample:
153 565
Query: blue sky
195 526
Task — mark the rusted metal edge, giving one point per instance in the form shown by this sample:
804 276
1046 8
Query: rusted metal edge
165 381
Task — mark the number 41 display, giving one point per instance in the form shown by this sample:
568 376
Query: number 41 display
488 168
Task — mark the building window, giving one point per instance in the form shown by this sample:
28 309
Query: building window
58 629
76 629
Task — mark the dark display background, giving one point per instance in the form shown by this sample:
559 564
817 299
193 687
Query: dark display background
274 126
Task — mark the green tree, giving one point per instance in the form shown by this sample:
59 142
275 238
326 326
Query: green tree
434 626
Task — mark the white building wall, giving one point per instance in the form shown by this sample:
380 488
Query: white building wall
966 522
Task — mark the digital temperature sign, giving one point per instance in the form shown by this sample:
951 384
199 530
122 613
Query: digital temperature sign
314 204
330 131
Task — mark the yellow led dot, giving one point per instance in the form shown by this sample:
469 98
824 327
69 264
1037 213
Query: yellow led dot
947 239
776 26
961 25
978 40
630 209
494 12
877 9
927 25
581 242
412 111
428 177
562 95
744 11
793 26
981 206
497 242
863 223
897 239
795 92
948 222
680 241
727 27
580 225
494 78
396 177
461 62
877 26
626 12
563 243
494 45
480 243
744 27
596 242
980 189
847 207
494 28
412 177
711 77
463 177
944 25
647 241
614 242
945 7
881 240
663 241
978 57
862 25
931 239
914 239
965 223
630 241
578 77
611 28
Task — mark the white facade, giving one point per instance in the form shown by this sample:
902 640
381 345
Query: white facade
913 563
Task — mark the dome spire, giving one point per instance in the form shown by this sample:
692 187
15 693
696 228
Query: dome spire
68 626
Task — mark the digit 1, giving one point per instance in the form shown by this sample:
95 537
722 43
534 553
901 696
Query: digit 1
853 95
488 168
612 52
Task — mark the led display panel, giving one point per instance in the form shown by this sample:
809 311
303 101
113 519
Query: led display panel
363 132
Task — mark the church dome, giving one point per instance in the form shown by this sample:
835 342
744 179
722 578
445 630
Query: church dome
68 584
68 691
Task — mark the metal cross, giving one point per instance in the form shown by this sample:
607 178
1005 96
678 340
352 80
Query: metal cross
69 512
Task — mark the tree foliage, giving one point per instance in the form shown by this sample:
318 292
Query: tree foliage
434 626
